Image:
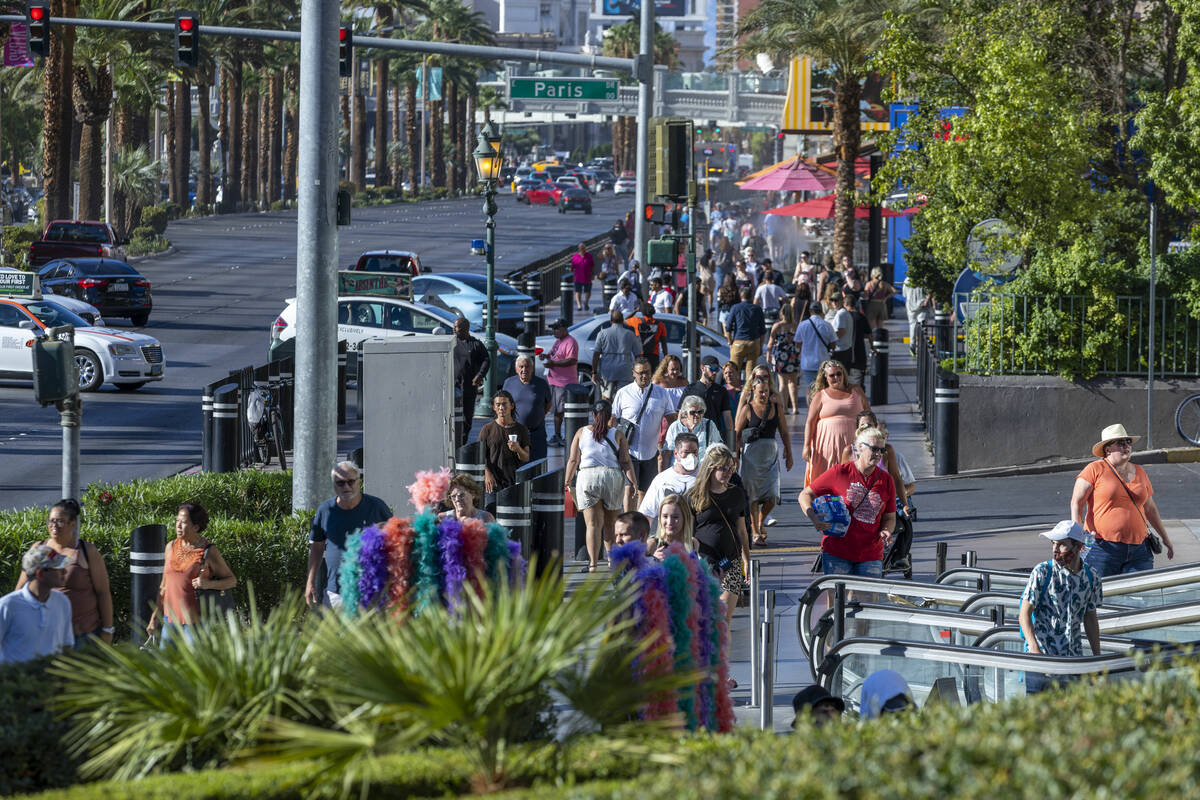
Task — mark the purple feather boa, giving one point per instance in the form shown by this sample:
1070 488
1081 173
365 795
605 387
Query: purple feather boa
454 569
373 568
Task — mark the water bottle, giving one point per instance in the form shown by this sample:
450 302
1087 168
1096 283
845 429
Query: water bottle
1089 539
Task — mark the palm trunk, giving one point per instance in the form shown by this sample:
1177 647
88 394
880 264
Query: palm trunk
292 147
204 148
249 151
360 140
172 164
410 133
232 193
847 135
183 138
437 131
275 153
223 136
263 109
452 178
57 118
468 129
91 176
397 128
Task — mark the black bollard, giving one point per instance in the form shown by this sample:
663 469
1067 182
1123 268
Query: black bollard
566 300
512 511
146 546
609 291
341 383
879 368
287 398
945 424
548 507
225 444
469 459
533 286
942 333
526 346
531 470
206 416
458 419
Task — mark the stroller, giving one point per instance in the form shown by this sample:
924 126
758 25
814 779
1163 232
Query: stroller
898 558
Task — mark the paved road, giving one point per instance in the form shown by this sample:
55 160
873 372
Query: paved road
214 301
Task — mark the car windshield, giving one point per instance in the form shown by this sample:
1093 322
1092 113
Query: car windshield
77 233
105 268
52 314
388 263
479 284
440 313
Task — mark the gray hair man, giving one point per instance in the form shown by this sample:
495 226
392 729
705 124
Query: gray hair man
532 401
347 511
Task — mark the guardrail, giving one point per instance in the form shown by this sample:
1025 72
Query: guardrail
937 393
550 270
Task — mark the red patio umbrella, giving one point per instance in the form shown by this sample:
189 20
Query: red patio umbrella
822 208
796 175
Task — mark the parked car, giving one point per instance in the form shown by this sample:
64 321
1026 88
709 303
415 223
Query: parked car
625 185
114 287
126 359
87 311
76 239
575 199
521 174
466 293
405 262
546 194
605 180
585 332
523 186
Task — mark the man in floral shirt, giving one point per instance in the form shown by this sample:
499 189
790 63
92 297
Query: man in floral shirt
1062 594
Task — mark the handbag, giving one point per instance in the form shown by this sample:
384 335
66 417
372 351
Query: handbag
1153 541
627 428
828 345
213 600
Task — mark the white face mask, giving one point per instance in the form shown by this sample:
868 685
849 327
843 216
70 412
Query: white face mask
688 462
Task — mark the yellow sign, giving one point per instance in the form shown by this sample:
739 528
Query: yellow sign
808 107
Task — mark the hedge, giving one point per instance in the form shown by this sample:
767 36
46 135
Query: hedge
31 736
251 522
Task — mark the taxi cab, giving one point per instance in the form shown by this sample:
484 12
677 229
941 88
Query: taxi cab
126 359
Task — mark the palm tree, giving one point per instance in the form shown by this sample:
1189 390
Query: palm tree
625 41
58 119
841 36
136 177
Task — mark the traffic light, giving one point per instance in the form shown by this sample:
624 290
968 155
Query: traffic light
672 145
54 376
187 39
37 21
655 212
345 51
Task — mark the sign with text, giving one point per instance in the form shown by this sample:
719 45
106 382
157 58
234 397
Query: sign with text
18 284
563 88
16 52
632 8
375 283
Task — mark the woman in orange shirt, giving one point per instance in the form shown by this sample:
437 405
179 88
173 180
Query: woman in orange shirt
1118 497
187 569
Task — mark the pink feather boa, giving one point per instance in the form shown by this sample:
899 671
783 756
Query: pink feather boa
429 488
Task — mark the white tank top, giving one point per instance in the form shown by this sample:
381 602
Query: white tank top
597 454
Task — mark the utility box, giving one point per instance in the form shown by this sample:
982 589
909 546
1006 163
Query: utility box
408 416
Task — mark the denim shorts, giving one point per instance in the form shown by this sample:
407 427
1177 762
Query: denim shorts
832 565
1115 558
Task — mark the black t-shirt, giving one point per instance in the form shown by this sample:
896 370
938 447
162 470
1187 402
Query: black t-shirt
716 401
470 360
714 539
501 461
862 332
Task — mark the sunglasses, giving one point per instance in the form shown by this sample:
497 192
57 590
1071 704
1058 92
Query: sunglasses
694 414
341 482
1122 442
876 450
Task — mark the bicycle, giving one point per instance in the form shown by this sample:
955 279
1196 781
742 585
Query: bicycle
1187 419
266 427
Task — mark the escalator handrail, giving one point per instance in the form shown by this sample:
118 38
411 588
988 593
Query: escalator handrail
1012 633
1129 583
995 598
972 575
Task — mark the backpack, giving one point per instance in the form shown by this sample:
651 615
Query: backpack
647 333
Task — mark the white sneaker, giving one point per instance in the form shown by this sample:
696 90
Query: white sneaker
769 521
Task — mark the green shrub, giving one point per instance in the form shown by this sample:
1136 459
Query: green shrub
280 205
174 210
154 217
16 241
201 210
144 241
31 736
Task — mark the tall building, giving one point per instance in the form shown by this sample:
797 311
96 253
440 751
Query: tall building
728 14
689 29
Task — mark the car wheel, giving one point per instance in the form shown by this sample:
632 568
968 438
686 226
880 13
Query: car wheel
140 319
130 387
91 372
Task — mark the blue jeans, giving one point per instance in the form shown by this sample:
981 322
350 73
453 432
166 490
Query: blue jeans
832 565
1114 558
807 376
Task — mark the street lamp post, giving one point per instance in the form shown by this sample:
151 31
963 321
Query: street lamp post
488 161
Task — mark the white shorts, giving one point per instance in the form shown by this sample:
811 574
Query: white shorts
603 485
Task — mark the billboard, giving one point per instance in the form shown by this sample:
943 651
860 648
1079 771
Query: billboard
809 104
628 8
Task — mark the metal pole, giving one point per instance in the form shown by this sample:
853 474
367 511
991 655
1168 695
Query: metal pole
940 562
767 707
1153 314
108 157
839 612
316 256
693 343
645 104
489 340
424 120
755 633
71 419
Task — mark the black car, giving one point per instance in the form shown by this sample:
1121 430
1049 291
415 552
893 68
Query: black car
605 180
575 198
114 287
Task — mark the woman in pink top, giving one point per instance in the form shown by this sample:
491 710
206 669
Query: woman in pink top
833 406
582 264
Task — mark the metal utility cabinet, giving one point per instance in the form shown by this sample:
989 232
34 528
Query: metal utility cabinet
408 418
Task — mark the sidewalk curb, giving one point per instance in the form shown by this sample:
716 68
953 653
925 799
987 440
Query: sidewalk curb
1170 455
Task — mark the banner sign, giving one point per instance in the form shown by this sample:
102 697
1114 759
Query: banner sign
808 107
16 52
383 284
632 8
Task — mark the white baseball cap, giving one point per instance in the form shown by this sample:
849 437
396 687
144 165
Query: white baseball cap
1066 529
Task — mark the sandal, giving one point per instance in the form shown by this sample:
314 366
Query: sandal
760 540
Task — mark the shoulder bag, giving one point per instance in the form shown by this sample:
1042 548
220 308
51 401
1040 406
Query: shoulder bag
828 345
1152 538
213 600
627 428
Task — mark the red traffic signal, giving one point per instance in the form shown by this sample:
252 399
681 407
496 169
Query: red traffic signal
187 39
37 22
345 51
655 212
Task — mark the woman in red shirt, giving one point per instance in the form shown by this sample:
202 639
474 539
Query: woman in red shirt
1119 501
191 563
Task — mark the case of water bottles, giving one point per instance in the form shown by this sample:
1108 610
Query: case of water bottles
832 509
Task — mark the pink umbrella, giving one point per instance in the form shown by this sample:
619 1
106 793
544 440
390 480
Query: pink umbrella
796 176
822 208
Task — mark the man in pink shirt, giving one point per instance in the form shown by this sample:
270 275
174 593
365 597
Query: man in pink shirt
561 370
582 265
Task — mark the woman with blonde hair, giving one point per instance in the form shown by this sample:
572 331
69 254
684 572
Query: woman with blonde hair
877 294
891 459
675 524
720 523
833 405
758 422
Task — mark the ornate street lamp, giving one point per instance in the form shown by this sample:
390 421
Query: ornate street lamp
489 158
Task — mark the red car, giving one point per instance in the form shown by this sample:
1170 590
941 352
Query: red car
545 195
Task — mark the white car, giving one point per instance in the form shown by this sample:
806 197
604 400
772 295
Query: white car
570 180
126 359
585 332
86 310
625 186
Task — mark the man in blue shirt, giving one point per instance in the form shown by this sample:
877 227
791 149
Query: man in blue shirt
816 338
338 517
35 620
531 397
744 328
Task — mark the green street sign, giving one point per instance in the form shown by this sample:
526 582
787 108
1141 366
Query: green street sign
563 88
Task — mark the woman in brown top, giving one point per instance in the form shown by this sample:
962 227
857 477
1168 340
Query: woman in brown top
186 569
86 580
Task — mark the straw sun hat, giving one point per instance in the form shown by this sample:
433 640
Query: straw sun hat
1111 433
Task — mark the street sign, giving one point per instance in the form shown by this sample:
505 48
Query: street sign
384 284
19 284
563 88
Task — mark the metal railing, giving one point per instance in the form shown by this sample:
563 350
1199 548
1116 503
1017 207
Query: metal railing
550 270
1018 334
